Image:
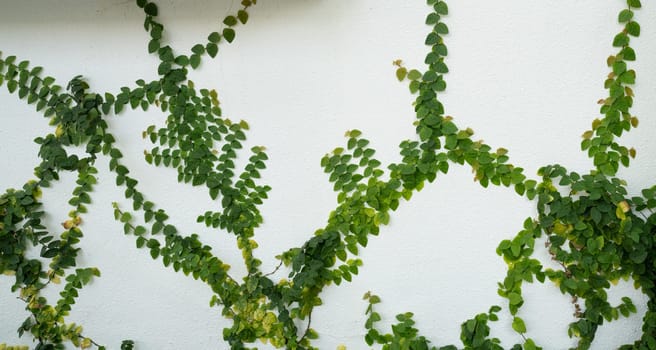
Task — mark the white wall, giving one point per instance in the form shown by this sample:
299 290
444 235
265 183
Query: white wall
525 74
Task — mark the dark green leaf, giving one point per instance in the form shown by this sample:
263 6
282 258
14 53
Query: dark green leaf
212 49
182 60
214 37
628 54
150 9
430 76
620 40
243 16
441 8
230 21
441 28
198 49
633 28
432 39
229 34
194 60
432 18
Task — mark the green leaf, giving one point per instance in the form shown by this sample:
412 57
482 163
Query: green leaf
229 34
164 68
170 230
431 120
470 325
140 242
414 75
633 28
182 60
430 76
194 60
619 67
439 85
634 3
243 16
230 21
530 345
638 256
441 28
166 54
198 49
150 9
625 16
628 77
12 85
139 230
441 8
157 227
628 54
414 86
156 32
431 58
125 217
620 40
440 50
212 49
440 67
432 18
115 153
515 299
214 37
518 325
449 128
432 39
401 73
425 133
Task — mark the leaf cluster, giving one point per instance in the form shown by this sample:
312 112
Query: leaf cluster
594 231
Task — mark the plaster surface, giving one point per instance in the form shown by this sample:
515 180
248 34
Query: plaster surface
524 74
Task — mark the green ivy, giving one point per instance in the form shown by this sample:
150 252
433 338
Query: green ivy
594 231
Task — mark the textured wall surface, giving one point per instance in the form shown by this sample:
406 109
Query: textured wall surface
525 75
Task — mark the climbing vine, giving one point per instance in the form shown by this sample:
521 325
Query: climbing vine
594 231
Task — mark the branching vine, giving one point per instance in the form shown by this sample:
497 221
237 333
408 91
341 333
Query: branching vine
593 230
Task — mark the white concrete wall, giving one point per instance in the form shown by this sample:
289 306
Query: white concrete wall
525 74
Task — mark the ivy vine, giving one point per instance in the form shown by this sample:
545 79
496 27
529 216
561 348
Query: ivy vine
594 231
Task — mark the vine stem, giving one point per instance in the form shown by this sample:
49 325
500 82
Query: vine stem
307 329
523 337
275 270
568 273
91 340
